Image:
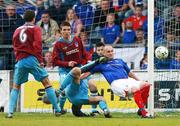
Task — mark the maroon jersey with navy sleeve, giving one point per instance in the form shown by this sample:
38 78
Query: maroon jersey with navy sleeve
27 41
64 52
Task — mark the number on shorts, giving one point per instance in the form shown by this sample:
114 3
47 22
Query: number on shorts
23 36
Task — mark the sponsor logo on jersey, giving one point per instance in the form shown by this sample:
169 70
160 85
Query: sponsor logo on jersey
72 51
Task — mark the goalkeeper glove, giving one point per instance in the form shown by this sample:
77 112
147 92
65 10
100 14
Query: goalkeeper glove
101 60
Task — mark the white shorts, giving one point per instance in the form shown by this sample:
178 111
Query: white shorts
123 86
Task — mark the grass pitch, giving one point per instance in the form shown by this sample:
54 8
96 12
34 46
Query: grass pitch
119 119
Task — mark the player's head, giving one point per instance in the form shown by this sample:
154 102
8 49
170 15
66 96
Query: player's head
65 29
99 48
108 51
29 16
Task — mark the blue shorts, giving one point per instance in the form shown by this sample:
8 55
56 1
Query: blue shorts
77 93
28 65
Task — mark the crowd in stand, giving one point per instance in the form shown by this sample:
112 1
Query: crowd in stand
108 21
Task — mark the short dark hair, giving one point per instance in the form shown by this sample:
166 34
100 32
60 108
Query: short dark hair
45 12
99 44
29 15
139 6
65 23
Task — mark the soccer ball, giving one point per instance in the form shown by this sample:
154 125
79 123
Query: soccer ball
161 52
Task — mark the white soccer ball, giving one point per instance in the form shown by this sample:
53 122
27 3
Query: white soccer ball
161 52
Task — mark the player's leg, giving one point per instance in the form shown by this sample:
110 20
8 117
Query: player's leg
13 100
137 88
93 93
102 104
20 76
76 110
40 74
145 88
124 87
62 97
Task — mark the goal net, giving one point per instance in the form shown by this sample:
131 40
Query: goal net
167 71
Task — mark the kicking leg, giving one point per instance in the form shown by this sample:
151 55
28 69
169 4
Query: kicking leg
51 95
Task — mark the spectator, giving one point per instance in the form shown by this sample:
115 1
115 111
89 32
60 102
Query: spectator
98 50
76 24
101 13
2 5
70 3
57 34
48 27
121 7
175 62
140 37
168 40
129 35
144 62
85 13
48 60
39 9
111 32
137 19
132 5
22 6
58 11
95 3
9 21
158 27
87 45
174 22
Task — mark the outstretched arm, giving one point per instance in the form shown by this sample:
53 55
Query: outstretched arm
90 65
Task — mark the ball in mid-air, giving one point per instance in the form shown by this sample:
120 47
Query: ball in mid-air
161 52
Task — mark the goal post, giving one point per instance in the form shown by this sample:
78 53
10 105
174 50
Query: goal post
151 55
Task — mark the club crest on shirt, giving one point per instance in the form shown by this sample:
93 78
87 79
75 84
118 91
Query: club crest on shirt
76 43
64 48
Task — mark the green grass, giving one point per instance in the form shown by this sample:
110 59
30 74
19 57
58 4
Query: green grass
119 119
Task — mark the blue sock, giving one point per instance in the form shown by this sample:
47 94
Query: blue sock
62 101
103 105
52 98
13 99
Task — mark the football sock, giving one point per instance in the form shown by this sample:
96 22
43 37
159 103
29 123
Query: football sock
13 99
103 105
93 94
52 98
62 100
138 99
145 94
